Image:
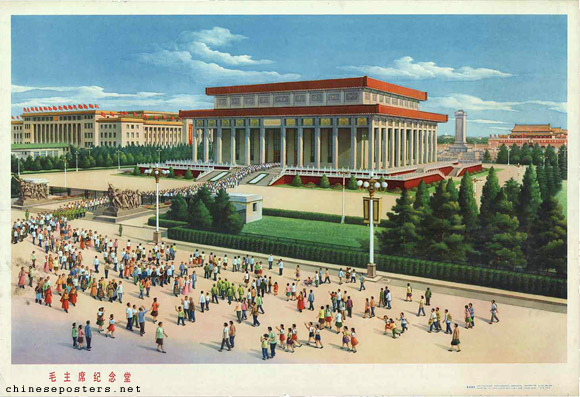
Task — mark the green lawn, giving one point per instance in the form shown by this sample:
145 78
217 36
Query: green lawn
562 196
323 232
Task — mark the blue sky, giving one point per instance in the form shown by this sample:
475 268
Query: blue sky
500 69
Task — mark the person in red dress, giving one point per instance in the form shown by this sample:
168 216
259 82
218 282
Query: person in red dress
48 297
73 296
300 302
64 300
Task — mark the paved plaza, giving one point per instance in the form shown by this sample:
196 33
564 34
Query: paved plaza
41 335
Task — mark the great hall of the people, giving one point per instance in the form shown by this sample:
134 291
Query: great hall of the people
357 123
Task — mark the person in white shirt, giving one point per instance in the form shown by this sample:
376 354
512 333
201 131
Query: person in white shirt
280 266
225 338
202 301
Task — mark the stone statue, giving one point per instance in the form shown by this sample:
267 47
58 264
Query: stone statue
126 199
34 191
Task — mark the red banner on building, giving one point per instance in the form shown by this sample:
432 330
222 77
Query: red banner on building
190 134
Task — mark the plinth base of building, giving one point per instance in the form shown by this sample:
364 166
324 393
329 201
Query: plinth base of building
458 148
371 270
116 215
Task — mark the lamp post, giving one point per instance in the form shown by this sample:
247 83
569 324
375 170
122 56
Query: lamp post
77 160
157 174
371 185
158 156
65 174
18 161
508 156
343 192
118 160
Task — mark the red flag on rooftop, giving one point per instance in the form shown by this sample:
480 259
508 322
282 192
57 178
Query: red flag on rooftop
54 108
134 114
12 117
96 106
102 114
85 106
155 117
145 116
111 113
164 116
90 106
60 108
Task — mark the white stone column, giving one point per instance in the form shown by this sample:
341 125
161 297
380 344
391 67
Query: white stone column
424 140
435 144
262 145
404 149
377 147
335 144
233 145
247 144
385 148
283 145
411 147
300 148
218 146
371 140
317 144
205 145
353 145
193 142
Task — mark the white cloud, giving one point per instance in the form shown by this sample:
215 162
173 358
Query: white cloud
23 96
470 102
184 62
194 52
406 68
483 121
561 107
501 128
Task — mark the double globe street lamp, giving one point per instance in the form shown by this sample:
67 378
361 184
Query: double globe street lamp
372 215
157 172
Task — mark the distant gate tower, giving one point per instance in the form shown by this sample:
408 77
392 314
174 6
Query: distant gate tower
460 129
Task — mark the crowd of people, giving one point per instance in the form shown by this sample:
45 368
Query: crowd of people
231 181
77 263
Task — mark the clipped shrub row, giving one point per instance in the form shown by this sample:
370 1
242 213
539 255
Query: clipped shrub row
503 279
165 222
313 216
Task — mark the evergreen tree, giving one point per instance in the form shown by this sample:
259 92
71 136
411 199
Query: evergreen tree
563 162
468 206
400 234
551 157
351 184
542 181
178 209
488 197
515 154
537 155
525 155
502 155
548 238
171 173
28 163
550 182
233 221
188 174
324 182
199 216
452 190
557 178
421 196
37 164
136 171
218 209
486 156
442 229
204 195
529 199
504 248
512 191
296 181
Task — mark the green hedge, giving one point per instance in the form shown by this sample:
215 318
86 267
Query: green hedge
165 222
503 279
313 216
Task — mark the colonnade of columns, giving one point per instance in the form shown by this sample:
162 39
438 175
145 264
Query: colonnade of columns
57 133
375 146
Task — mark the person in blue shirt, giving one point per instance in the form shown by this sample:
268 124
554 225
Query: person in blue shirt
88 335
141 319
